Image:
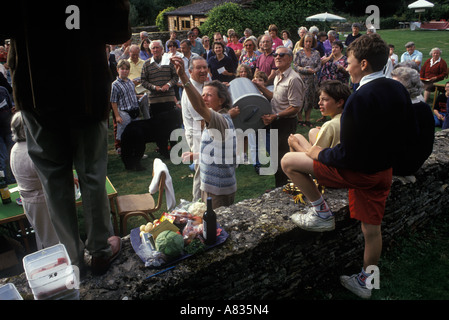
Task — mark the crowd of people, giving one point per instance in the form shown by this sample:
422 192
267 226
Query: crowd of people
183 84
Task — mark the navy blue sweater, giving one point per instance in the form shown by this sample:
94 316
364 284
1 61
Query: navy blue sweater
377 126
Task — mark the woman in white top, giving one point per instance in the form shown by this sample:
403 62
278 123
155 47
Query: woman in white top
286 39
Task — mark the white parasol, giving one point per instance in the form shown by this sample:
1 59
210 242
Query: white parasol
325 17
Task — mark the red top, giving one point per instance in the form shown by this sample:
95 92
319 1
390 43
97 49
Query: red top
438 70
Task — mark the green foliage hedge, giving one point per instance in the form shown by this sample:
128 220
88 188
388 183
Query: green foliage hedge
161 21
286 14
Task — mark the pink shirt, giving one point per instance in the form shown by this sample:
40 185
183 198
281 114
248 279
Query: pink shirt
235 46
276 43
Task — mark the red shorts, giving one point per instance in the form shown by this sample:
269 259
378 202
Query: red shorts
367 193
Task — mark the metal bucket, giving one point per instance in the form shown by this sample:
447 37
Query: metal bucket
252 104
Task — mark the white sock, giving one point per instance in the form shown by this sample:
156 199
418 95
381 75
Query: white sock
321 208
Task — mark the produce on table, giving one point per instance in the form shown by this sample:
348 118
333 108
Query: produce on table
170 243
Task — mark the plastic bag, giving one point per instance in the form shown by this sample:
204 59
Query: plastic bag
152 258
191 231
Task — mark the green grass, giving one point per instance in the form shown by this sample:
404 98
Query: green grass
414 268
424 41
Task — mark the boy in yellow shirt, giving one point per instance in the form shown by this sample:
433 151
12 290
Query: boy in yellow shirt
333 96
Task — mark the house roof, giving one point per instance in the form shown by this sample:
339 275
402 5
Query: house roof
201 8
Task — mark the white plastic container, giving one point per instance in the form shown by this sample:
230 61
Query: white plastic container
51 275
9 292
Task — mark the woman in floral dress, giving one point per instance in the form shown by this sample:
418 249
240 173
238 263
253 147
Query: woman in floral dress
307 63
249 55
334 66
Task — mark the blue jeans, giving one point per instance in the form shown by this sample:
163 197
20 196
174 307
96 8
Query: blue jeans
440 123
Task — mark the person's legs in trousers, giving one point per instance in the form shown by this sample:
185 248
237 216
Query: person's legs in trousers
51 153
285 127
90 162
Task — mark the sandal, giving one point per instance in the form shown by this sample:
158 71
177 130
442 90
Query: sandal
301 123
308 124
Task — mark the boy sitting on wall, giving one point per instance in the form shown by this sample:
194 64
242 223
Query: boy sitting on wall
371 141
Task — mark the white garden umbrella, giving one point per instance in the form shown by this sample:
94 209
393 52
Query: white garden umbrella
420 4
326 17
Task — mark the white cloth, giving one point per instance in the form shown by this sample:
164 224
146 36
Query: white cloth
158 168
167 56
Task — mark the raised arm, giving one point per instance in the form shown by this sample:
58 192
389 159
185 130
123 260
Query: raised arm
194 96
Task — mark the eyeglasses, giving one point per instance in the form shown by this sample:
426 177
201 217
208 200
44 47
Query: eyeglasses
281 55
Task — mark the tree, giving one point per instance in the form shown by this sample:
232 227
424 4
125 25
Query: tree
286 14
161 21
146 11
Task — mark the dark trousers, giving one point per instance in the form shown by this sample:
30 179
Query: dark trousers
168 118
285 127
134 139
54 151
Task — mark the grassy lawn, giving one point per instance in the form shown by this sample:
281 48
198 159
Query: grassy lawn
411 270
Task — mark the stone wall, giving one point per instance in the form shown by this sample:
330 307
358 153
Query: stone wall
266 256
158 35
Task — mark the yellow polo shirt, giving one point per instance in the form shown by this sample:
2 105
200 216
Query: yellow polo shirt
136 69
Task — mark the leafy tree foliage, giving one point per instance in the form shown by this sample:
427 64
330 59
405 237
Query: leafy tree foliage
286 14
161 21
144 12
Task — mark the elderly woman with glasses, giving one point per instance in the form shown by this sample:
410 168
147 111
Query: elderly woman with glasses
433 70
249 55
307 63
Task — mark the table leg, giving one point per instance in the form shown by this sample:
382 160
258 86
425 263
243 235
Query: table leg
24 235
114 215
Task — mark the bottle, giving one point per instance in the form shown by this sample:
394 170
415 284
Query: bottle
209 224
4 191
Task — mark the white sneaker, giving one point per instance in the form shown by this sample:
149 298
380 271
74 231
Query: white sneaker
311 221
352 284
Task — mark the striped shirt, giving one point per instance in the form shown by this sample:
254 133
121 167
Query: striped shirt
124 95
217 157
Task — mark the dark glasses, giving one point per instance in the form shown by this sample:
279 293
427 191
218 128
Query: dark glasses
282 54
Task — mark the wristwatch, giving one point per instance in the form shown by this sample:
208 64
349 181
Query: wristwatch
188 83
277 116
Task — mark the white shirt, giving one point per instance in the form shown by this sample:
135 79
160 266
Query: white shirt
192 119
370 77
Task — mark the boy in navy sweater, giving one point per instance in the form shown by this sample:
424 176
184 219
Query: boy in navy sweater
371 142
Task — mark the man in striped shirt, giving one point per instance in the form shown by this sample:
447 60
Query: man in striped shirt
160 79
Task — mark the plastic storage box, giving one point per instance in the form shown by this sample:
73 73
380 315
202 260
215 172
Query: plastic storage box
9 292
51 275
